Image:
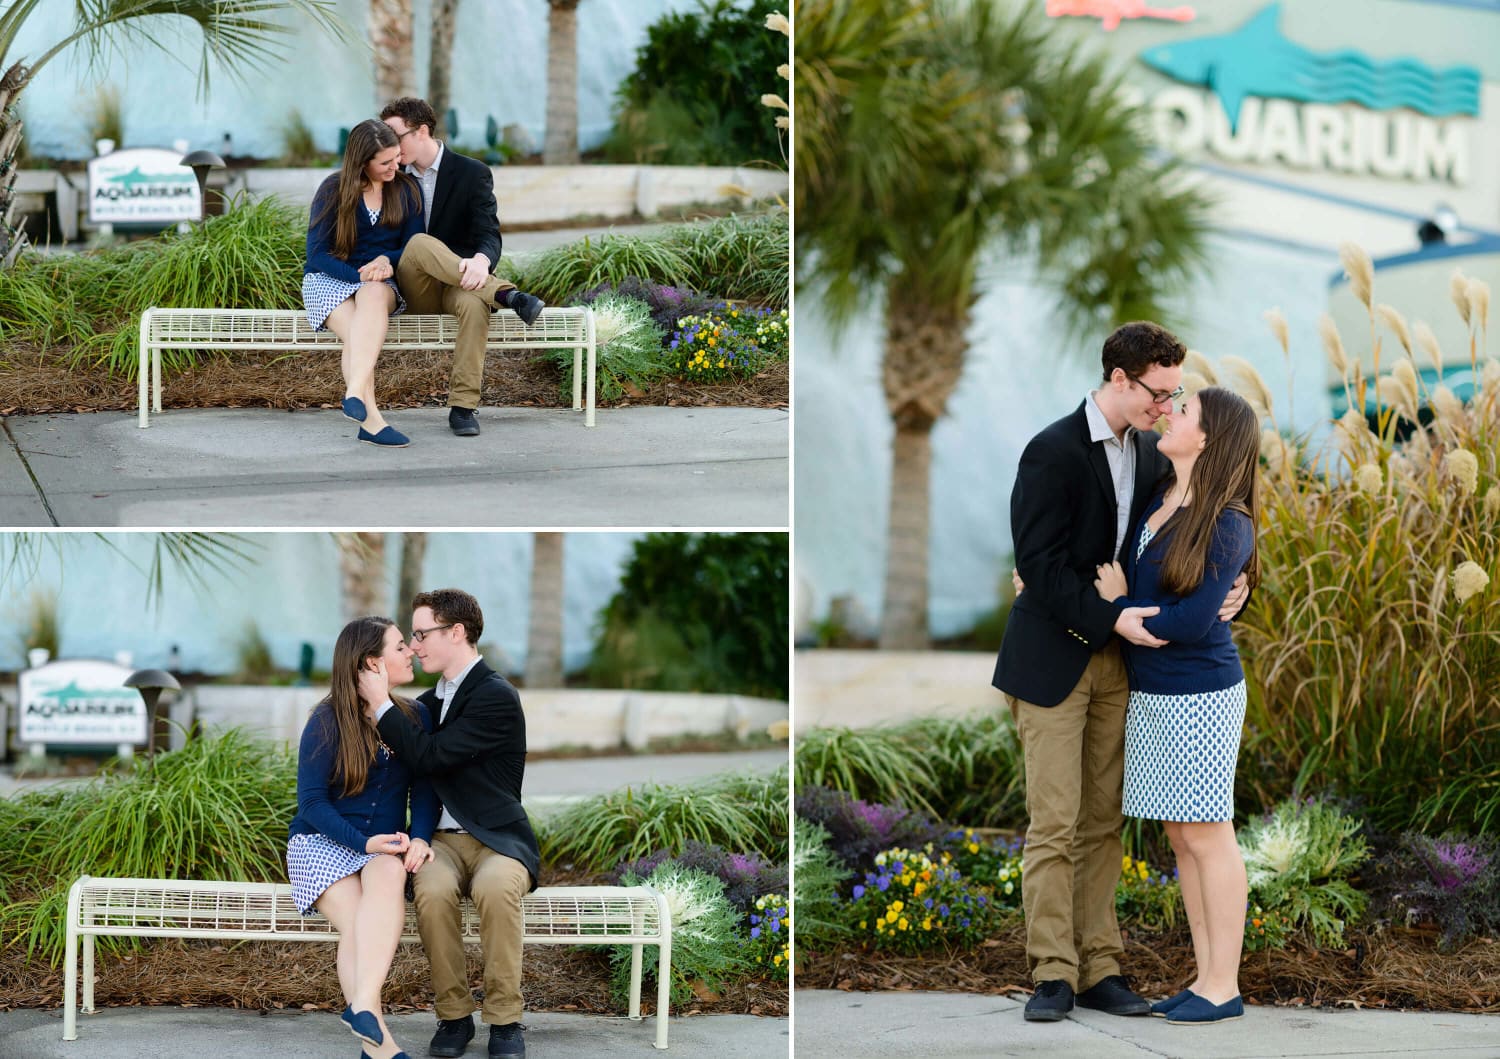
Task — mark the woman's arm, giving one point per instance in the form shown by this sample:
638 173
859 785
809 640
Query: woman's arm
315 757
412 224
320 227
1191 618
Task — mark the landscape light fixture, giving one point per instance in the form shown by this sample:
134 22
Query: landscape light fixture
201 162
151 683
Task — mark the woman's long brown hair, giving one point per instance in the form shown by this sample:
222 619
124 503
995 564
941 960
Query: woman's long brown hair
360 640
366 140
1224 478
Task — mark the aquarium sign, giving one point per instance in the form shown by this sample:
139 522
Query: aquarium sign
142 185
79 702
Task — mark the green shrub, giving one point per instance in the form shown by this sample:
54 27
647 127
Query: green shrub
694 96
722 344
1372 645
698 612
747 813
707 946
967 770
216 809
1147 899
914 903
1299 860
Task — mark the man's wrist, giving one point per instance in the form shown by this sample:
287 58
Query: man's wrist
484 262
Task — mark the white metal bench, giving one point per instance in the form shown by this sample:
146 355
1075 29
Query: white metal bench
277 329
172 908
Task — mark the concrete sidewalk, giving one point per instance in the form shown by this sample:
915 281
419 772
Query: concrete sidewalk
832 1025
255 467
191 1033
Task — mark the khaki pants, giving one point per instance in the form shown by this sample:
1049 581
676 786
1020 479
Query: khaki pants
464 865
428 277
1075 766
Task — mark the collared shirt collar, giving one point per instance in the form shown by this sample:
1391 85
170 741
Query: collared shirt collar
446 688
1099 428
437 160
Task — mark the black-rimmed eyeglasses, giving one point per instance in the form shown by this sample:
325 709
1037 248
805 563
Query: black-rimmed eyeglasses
1158 396
418 635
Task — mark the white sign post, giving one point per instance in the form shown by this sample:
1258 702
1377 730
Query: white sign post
80 703
142 185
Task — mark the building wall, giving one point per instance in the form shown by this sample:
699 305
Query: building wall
499 68
290 589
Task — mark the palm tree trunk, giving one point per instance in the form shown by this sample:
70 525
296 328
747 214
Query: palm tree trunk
545 629
390 36
409 583
444 19
924 356
12 238
561 145
361 573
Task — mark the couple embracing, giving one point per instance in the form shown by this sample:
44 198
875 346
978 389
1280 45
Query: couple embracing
1134 552
406 224
426 793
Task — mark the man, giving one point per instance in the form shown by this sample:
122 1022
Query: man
448 271
484 846
1081 485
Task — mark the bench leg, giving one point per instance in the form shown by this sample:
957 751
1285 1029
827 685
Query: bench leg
70 986
141 377
635 982
663 988
588 417
156 378
577 378
88 974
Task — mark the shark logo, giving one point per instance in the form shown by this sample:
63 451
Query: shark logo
135 176
1256 60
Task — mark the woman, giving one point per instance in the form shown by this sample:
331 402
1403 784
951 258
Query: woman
347 853
361 219
1187 699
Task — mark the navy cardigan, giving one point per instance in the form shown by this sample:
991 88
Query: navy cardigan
379 809
1200 655
371 240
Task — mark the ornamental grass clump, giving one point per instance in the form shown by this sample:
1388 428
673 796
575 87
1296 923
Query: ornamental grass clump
707 946
1300 860
914 903
1372 645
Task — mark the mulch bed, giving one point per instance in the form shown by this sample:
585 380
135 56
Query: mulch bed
269 976
35 381
1394 969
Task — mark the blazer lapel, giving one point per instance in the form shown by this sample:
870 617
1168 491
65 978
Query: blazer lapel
461 696
447 174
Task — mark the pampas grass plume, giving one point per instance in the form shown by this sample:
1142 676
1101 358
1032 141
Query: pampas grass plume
1469 579
1463 467
1397 323
1458 290
1368 478
1197 362
1259 393
1360 271
1406 375
1276 319
1333 344
1478 292
1428 343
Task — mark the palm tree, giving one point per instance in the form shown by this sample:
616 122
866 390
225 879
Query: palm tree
361 573
390 37
409 581
237 33
545 628
928 131
440 58
561 144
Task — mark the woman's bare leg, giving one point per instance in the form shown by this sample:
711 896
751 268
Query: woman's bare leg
338 905
1189 879
361 322
1223 893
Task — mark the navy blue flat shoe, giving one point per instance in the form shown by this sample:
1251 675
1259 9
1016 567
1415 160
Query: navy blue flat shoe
1162 1008
363 1024
389 436
354 409
1196 1011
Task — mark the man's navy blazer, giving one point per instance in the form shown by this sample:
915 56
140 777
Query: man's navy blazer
464 215
1063 524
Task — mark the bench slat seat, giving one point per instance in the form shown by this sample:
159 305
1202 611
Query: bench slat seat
245 911
288 329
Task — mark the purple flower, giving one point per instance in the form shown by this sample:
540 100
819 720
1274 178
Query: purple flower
927 903
859 891
755 932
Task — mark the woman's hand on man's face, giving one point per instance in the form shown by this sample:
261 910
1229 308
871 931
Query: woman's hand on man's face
374 687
